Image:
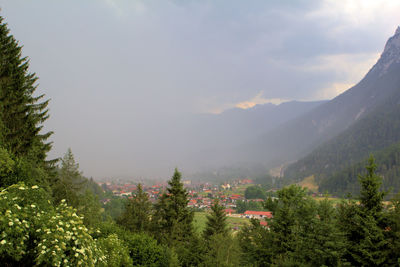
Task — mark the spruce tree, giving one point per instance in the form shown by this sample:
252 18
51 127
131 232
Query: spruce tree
21 113
136 216
370 196
363 224
173 219
70 182
216 221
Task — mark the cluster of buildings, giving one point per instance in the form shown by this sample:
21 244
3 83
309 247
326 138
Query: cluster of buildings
201 195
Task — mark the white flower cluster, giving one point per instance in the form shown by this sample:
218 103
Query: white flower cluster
59 235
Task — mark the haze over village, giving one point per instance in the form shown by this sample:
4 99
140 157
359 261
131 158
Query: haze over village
138 88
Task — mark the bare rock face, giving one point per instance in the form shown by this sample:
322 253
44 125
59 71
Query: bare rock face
391 54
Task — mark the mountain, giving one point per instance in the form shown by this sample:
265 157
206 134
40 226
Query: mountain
372 124
301 135
237 125
208 139
345 180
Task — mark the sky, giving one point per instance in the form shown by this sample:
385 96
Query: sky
119 71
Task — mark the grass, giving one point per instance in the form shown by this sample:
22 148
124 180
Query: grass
200 220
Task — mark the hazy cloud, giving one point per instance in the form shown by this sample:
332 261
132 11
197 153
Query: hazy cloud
121 69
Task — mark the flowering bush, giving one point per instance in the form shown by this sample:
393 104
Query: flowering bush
65 240
33 231
115 251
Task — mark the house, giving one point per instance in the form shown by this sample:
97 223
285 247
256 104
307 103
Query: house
192 203
257 214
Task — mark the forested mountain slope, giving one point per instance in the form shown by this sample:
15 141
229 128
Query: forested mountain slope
302 135
373 130
346 180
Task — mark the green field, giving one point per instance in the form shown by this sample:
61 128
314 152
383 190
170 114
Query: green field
200 221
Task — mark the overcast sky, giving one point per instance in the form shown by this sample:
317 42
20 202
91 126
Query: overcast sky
115 69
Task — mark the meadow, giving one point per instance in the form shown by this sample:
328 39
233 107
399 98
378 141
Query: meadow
200 219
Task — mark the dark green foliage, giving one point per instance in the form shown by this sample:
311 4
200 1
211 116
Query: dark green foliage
76 190
370 196
173 219
254 192
90 208
223 250
216 221
346 180
70 182
172 223
115 207
137 213
191 253
364 224
242 206
255 243
27 171
266 181
22 143
21 113
365 244
336 163
392 231
301 231
145 251
6 163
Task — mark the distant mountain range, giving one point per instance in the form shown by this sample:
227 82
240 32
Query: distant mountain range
213 140
343 132
304 138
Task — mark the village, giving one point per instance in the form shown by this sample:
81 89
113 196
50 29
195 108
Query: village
231 196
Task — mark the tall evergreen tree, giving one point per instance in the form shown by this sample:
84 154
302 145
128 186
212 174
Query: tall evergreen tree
173 219
370 196
21 113
136 216
392 231
70 182
216 221
363 224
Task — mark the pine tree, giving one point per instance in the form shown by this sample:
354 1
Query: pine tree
70 181
216 221
363 224
370 196
136 216
173 219
21 113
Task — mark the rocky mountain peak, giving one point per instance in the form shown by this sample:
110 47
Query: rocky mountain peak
390 55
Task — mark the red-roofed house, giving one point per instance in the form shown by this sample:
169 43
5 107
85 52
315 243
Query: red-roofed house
258 214
192 202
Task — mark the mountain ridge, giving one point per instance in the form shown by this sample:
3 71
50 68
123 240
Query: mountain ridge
376 128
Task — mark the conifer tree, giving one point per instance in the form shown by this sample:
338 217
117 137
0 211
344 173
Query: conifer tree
370 196
70 181
173 219
21 113
216 221
136 216
363 224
